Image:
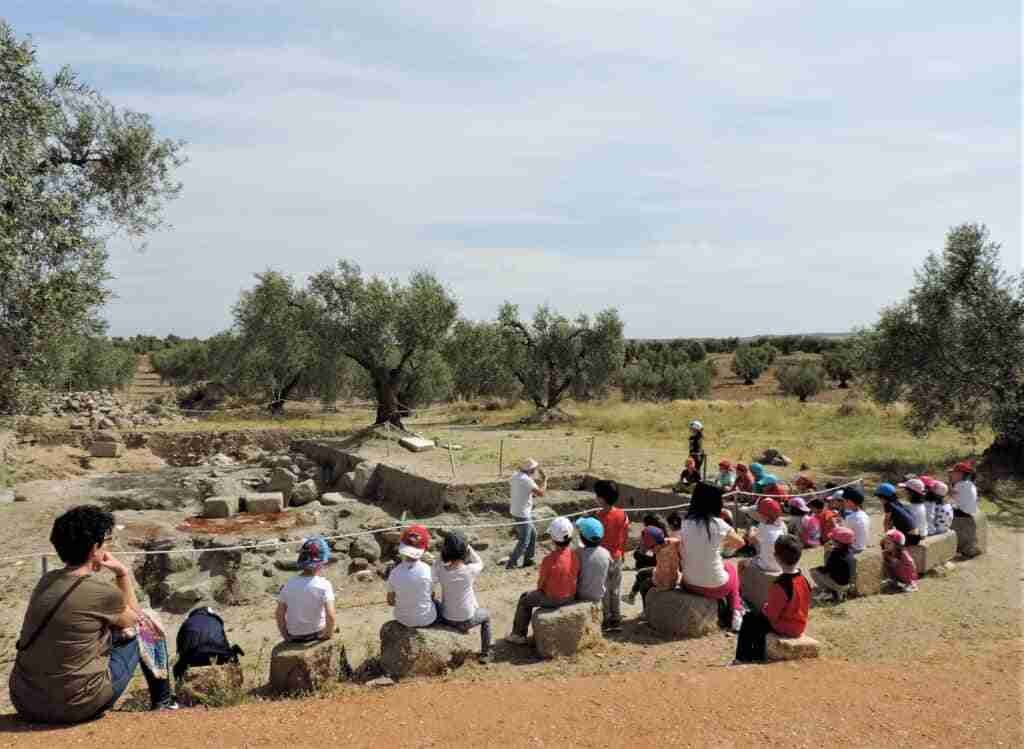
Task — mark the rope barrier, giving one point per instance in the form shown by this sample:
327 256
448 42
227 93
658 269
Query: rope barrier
814 493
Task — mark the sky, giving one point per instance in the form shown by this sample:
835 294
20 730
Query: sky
709 168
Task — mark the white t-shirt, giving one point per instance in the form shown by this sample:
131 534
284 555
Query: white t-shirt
919 512
458 601
306 597
965 496
767 535
702 560
521 489
860 524
412 585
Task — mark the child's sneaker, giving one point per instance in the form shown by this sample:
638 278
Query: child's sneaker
516 639
737 620
614 625
630 598
484 658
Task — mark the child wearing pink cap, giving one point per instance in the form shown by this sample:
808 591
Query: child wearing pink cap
835 576
808 526
900 570
942 511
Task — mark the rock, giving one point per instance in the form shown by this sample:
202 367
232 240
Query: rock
567 630
281 480
106 423
381 681
358 564
210 685
971 535
755 584
220 460
267 502
6 496
287 565
181 592
214 486
676 614
405 651
220 507
346 482
867 580
365 576
933 551
363 483
303 493
276 461
365 547
333 499
416 444
780 648
239 587
106 449
305 667
20 496
106 435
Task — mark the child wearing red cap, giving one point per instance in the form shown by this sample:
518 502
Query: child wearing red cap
410 584
835 576
726 476
900 570
769 529
786 610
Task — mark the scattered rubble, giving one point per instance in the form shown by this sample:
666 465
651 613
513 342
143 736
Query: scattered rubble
103 410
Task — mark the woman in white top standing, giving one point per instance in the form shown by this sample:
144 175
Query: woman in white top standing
704 535
455 572
523 487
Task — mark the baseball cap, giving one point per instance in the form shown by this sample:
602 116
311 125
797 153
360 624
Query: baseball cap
799 503
560 529
914 485
962 467
843 535
768 510
939 488
528 465
652 536
885 490
314 553
695 424
590 529
414 542
897 536
725 464
851 493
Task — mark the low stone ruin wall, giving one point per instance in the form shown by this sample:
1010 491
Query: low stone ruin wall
635 496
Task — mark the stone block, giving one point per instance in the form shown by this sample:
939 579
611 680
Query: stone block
281 480
676 614
755 584
220 507
106 436
416 444
779 648
407 651
869 572
363 484
303 493
106 449
264 503
210 685
933 551
565 631
304 667
971 535
333 499
365 547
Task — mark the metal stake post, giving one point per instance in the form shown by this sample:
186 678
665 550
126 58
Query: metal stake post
451 458
387 438
590 460
501 457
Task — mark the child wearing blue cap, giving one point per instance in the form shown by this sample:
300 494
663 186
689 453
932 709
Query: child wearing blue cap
305 605
594 561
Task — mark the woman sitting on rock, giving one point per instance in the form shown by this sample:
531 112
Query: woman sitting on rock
67 668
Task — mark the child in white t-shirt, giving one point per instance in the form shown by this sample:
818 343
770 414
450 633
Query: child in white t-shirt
770 527
305 605
410 584
455 572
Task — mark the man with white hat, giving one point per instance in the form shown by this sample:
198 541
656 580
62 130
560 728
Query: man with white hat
523 487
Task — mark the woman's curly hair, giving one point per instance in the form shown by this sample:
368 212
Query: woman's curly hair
78 530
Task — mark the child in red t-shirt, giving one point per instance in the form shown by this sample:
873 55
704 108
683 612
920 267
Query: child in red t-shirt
785 611
616 532
556 582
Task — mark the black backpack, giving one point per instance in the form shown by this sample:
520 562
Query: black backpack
202 641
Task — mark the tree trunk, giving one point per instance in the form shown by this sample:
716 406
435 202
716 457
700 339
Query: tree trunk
1004 457
276 406
748 381
843 384
385 384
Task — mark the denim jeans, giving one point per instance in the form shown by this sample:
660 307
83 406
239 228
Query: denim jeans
527 603
124 659
526 543
481 618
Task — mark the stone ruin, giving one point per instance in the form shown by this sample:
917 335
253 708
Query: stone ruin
104 411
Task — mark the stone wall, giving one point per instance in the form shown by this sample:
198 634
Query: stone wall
635 496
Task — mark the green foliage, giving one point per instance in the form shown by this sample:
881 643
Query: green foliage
841 363
954 348
683 380
803 379
73 170
696 351
475 353
750 361
428 379
553 356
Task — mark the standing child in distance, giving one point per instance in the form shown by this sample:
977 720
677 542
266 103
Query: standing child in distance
786 610
593 560
456 571
616 531
305 605
410 585
697 446
556 583
900 570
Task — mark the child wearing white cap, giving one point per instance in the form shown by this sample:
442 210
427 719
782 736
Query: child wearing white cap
556 583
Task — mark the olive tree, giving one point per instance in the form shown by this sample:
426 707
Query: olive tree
802 379
475 353
750 362
74 170
841 364
381 325
551 355
953 350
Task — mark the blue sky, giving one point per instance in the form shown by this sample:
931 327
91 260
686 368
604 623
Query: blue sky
709 168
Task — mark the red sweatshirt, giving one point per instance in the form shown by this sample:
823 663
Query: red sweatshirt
788 615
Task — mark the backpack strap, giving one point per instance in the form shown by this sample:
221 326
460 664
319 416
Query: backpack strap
50 615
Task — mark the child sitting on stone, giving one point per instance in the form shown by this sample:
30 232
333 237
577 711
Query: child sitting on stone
665 575
900 570
827 518
556 582
785 612
835 576
643 557
762 538
305 605
942 513
410 584
594 561
455 572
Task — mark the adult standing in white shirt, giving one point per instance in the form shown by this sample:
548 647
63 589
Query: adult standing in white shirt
523 487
